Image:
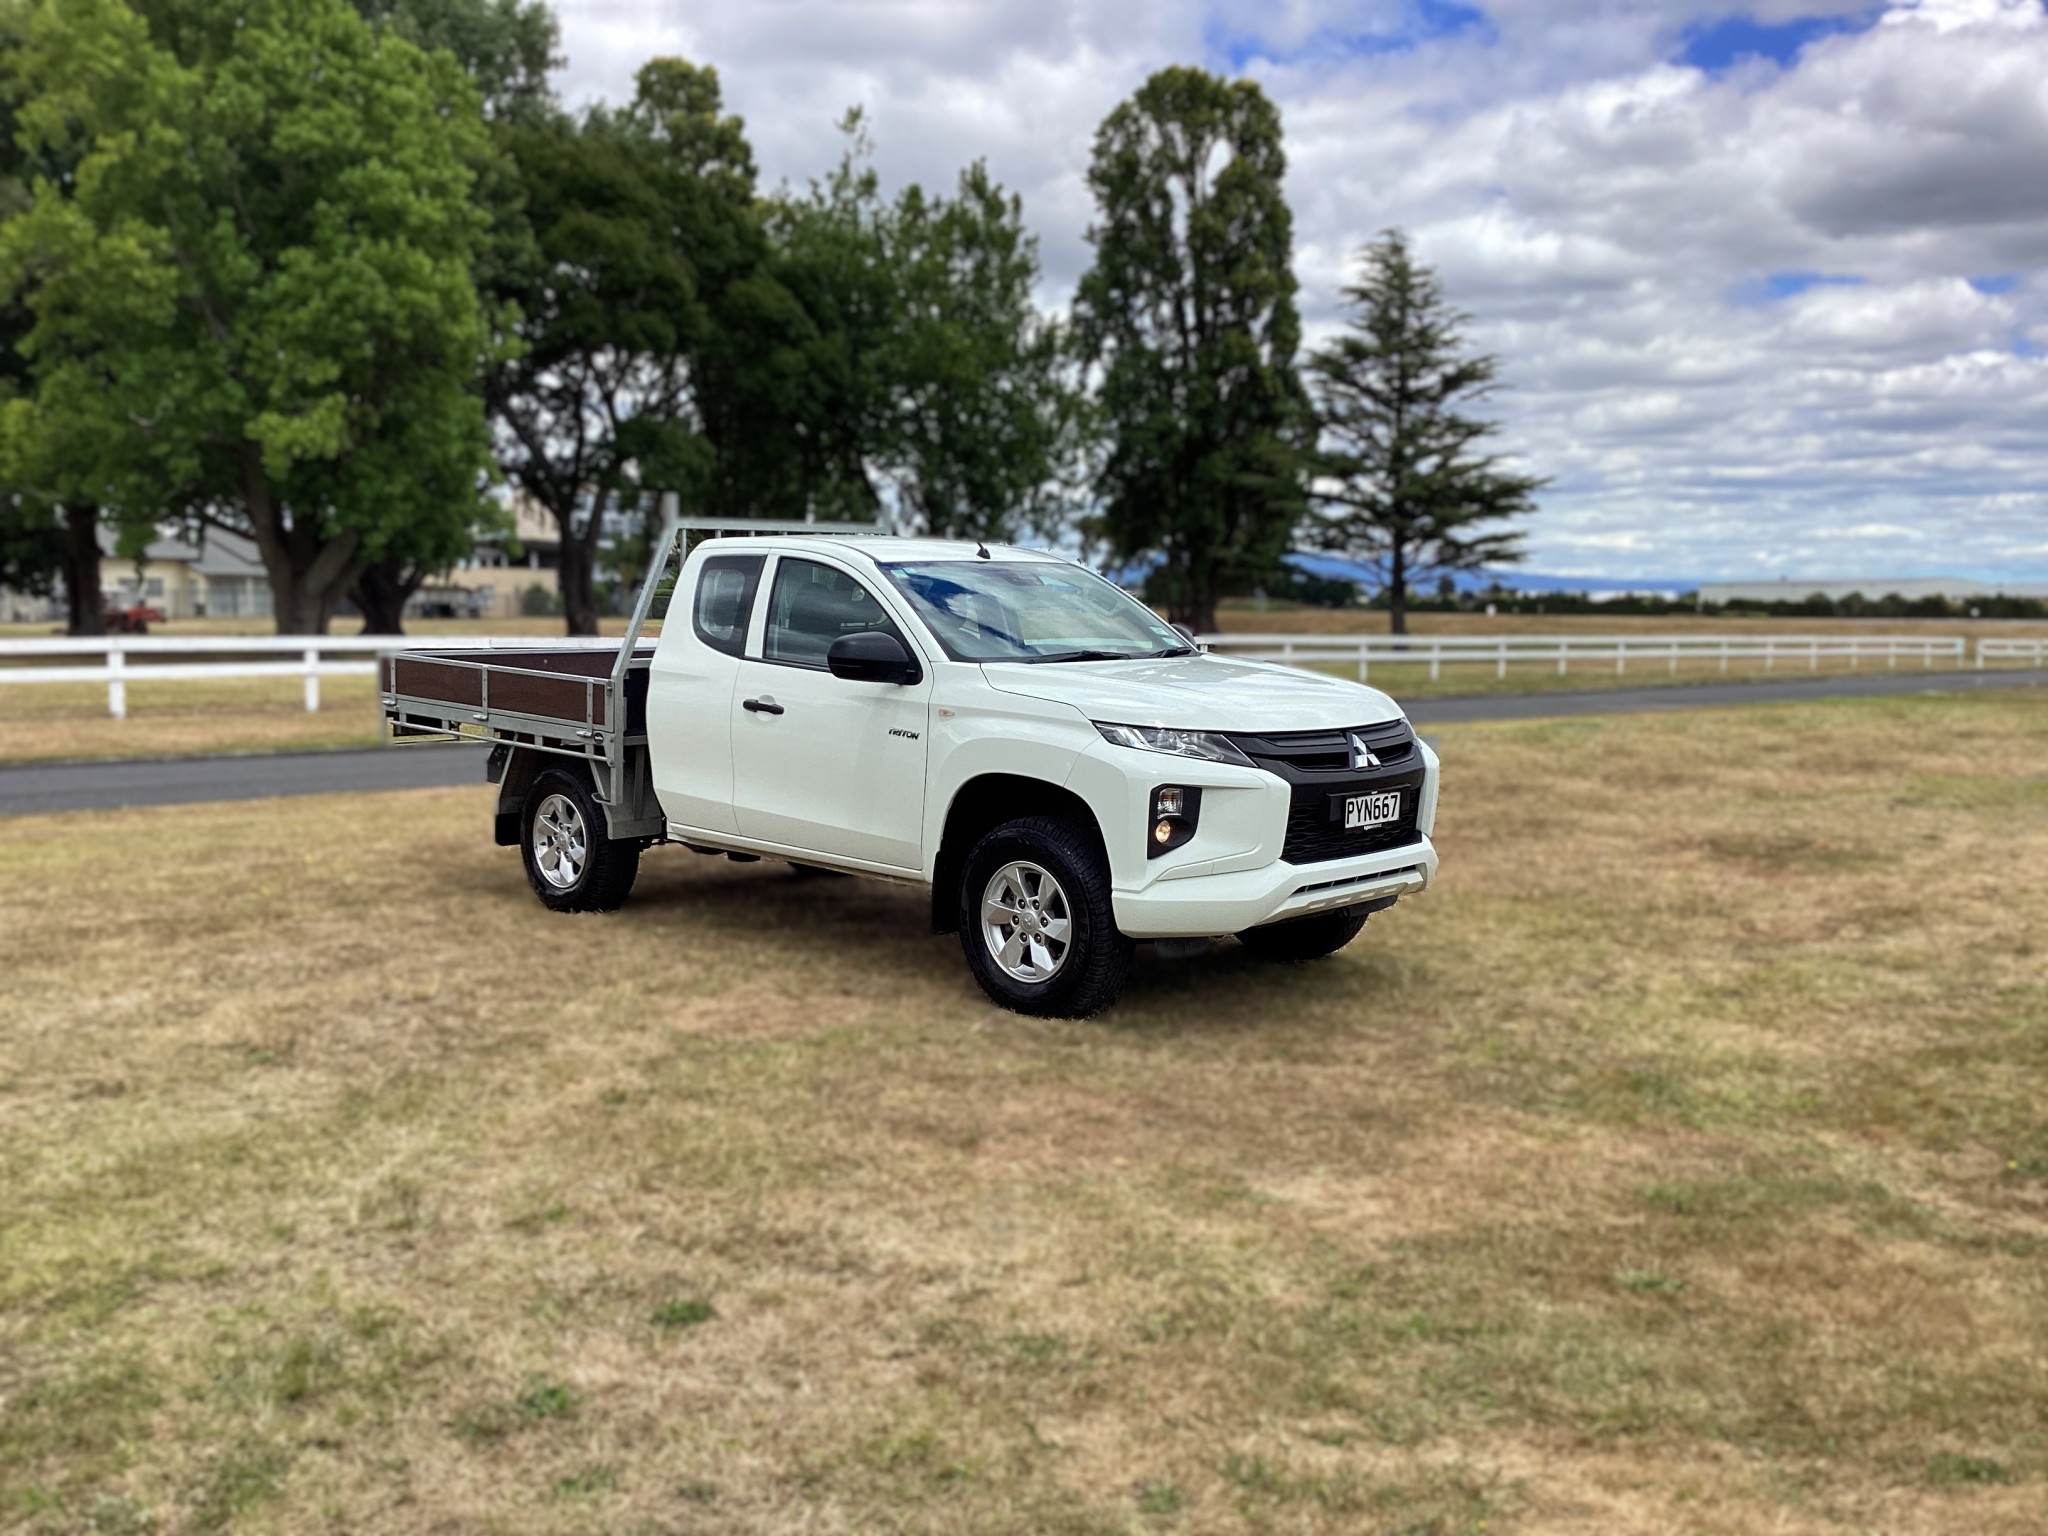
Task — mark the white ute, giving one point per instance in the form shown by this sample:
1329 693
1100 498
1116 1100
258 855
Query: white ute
1064 770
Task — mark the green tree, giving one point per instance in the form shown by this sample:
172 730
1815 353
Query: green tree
1188 311
809 387
49 519
507 48
640 218
982 402
262 268
889 359
1404 469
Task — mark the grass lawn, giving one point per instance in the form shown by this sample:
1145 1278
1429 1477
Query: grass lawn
43 722
1680 1163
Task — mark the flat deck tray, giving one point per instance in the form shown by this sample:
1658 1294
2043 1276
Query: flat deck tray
543 684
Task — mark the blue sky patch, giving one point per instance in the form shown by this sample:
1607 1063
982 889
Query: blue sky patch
2001 282
1784 285
1425 21
1718 45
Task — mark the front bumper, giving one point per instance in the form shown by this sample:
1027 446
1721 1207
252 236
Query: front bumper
1204 906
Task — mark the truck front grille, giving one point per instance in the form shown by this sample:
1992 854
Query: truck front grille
1317 766
1289 753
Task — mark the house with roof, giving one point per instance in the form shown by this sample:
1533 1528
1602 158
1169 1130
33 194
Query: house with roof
215 576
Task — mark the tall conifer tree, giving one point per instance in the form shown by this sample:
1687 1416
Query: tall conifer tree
1189 313
1403 469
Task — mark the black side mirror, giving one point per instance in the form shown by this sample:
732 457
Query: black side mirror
872 657
1188 635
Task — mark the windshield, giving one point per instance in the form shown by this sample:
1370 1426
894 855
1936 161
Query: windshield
985 610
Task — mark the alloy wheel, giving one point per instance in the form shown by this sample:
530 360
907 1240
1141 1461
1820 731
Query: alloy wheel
1026 922
561 844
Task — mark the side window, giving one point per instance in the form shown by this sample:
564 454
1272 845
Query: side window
725 600
813 605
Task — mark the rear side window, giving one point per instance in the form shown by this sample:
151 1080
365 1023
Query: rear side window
725 600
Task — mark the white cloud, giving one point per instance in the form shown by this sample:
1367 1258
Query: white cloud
1641 241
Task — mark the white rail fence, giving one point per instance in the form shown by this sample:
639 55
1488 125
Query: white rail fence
1439 651
119 660
2021 652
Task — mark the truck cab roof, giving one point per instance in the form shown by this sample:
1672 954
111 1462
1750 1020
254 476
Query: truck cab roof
876 549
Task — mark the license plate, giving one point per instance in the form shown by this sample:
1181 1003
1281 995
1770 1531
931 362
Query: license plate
1362 812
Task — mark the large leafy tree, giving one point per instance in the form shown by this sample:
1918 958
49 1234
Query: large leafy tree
801 411
1188 311
262 268
51 463
982 404
889 360
1404 477
507 48
640 219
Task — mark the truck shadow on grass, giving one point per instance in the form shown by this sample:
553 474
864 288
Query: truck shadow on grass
772 919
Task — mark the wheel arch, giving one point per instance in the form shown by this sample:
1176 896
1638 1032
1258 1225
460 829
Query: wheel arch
985 802
515 779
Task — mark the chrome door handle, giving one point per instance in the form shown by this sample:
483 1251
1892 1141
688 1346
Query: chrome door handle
762 706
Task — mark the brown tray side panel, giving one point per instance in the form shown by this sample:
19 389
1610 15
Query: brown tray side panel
551 698
576 663
437 680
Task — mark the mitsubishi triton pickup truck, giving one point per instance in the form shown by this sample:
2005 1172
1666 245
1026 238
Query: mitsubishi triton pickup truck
1066 772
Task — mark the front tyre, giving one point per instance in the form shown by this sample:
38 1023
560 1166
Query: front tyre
1036 921
1304 938
570 862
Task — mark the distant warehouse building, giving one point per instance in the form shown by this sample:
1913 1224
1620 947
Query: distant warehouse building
1955 589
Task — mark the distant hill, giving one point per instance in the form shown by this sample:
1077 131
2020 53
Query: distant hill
1336 568
1370 578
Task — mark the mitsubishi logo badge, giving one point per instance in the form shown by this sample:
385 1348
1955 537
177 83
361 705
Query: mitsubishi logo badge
1361 754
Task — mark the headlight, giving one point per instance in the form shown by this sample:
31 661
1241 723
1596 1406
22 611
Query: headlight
1209 746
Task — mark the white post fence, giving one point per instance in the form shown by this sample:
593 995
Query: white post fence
1439 651
121 660
117 661
2022 652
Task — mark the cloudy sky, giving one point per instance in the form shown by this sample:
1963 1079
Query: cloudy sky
1770 285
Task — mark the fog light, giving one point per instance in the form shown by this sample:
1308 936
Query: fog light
1176 808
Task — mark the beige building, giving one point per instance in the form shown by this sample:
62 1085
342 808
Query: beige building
217 577
493 581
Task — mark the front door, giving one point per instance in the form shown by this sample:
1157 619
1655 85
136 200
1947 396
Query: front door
822 763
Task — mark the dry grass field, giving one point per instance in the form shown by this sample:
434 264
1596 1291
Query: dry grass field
47 722
1679 1164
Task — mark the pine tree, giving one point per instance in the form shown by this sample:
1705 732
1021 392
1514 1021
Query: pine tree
1403 469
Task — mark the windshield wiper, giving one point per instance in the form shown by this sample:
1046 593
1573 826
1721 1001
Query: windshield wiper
1174 650
1081 656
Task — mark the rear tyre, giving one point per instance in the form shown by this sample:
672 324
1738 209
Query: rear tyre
1036 921
570 863
1304 938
